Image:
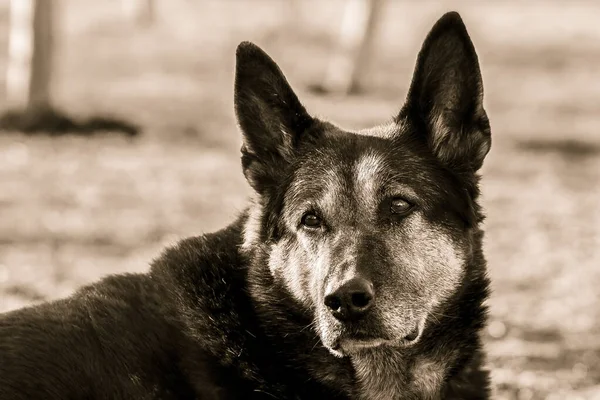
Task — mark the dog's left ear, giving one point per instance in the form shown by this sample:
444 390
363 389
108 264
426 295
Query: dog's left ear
269 114
446 96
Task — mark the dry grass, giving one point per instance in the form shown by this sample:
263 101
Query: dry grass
74 209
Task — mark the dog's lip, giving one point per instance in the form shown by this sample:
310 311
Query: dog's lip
353 341
350 345
361 340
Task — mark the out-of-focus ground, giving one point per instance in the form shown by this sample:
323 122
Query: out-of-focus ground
75 209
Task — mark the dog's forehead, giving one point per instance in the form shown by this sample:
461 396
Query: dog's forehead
353 166
343 157
359 154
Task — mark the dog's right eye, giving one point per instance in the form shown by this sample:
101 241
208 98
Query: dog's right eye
399 206
311 220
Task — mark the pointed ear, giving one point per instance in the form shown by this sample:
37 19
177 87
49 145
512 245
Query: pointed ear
269 114
445 99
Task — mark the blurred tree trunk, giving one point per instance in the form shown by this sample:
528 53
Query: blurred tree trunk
348 66
30 72
142 12
294 19
43 50
30 61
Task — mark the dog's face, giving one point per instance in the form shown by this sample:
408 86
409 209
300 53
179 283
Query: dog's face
368 218
368 230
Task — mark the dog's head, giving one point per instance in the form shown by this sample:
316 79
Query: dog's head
368 231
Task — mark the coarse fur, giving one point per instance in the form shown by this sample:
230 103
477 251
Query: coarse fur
267 307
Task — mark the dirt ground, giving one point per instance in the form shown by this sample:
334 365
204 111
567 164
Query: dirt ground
74 209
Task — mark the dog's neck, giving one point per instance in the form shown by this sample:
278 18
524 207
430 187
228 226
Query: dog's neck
388 373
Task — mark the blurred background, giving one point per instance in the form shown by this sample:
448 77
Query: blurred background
120 138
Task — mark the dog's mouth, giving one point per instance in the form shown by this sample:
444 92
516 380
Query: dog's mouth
348 344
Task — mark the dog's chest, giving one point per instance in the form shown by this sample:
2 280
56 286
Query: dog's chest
388 377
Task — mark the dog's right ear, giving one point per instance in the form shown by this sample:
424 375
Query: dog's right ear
446 96
270 116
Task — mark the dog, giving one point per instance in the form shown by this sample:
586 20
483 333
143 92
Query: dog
356 272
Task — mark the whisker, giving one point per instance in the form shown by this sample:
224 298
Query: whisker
312 324
316 343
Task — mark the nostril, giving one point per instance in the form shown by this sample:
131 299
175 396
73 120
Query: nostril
333 302
413 335
361 299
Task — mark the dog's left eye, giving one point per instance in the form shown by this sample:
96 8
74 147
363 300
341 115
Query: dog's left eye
400 206
311 220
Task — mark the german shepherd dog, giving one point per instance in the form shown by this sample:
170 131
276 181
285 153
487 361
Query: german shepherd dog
356 272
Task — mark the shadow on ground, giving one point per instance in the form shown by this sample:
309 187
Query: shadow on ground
568 148
53 122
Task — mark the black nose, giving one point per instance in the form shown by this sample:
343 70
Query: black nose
351 300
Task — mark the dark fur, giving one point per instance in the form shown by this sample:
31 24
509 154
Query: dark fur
211 320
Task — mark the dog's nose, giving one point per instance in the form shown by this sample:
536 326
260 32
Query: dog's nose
351 300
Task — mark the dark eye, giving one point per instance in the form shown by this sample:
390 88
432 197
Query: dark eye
311 220
400 206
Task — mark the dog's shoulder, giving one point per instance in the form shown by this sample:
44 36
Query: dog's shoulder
204 279
199 262
205 284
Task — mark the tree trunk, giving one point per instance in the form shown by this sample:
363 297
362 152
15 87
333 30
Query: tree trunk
31 46
20 50
43 49
142 12
348 66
